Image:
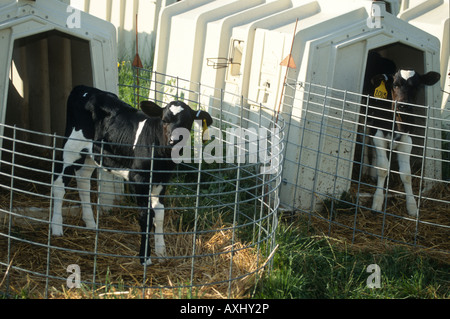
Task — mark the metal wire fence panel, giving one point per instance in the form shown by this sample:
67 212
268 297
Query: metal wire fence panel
223 201
220 210
328 167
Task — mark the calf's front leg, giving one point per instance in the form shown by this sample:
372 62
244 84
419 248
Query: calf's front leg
158 208
83 175
152 217
404 152
145 221
382 164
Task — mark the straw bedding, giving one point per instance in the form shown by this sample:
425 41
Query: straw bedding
114 262
118 271
377 231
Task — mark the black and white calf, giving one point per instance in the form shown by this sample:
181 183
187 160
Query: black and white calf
393 121
103 130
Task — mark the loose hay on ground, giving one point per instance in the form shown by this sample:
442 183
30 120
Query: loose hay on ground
117 266
358 224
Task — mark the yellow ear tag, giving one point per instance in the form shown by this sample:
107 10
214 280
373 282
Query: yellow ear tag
381 91
205 128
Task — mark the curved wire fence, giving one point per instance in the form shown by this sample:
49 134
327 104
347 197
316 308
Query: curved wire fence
220 210
223 202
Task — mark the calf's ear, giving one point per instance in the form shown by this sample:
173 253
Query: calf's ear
430 78
202 115
151 109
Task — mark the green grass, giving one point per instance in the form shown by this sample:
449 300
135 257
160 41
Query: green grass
318 267
128 78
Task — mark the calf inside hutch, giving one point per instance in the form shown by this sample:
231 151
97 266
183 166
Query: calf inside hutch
391 133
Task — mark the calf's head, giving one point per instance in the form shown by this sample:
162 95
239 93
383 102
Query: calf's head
175 115
402 89
404 85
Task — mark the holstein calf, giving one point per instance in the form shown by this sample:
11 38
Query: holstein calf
101 130
393 121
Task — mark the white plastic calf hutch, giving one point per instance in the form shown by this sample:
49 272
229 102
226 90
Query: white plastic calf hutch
330 49
240 51
46 49
191 37
217 39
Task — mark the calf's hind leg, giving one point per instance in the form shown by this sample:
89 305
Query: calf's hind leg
58 191
74 155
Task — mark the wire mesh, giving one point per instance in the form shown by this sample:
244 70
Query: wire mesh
220 210
328 163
